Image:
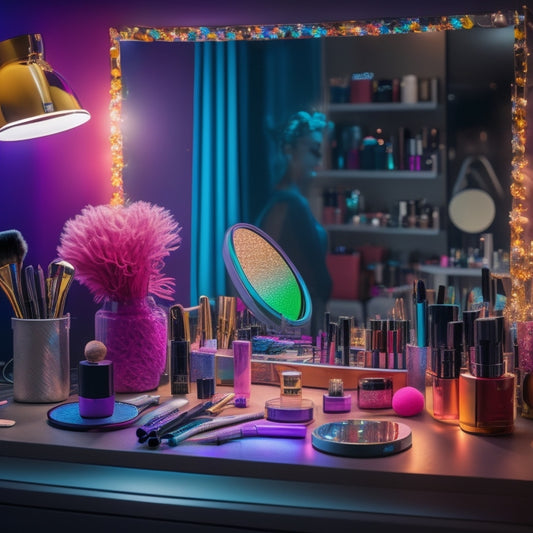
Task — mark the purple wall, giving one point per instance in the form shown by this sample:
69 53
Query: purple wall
46 181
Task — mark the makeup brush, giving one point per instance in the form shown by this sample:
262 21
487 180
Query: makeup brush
205 325
13 249
60 276
8 282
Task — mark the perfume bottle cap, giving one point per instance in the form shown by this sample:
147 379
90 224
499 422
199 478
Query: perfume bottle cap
448 363
439 316
469 318
488 356
455 335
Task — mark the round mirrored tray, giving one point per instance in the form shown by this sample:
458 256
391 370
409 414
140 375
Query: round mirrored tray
362 438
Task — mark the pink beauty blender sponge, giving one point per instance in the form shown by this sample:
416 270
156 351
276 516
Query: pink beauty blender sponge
408 401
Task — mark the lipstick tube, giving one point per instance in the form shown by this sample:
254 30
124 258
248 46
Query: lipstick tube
345 335
487 398
179 351
332 343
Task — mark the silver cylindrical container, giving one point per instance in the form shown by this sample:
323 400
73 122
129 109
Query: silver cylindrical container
41 365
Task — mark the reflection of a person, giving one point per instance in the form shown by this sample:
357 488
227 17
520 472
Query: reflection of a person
288 218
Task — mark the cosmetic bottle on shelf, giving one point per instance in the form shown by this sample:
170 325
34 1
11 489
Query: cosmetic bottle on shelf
487 399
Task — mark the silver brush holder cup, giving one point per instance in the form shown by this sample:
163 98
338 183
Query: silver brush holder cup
41 360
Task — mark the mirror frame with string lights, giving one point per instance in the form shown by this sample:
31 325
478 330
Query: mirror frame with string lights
521 268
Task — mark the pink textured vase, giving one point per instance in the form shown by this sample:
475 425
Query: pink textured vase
135 334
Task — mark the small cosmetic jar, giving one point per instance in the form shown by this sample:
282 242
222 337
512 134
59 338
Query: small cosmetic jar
375 393
336 401
291 387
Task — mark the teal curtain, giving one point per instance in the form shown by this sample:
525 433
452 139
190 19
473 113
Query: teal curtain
244 94
216 151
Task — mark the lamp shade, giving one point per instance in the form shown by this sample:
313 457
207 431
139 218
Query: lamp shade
34 99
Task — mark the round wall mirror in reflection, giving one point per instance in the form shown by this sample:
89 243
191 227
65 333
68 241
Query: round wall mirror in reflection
265 278
472 210
362 438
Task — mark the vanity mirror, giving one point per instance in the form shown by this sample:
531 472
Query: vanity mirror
229 152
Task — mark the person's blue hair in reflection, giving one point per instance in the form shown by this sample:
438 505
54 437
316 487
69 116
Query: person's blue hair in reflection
288 218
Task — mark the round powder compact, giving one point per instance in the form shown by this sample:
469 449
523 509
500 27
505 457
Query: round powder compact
408 401
278 411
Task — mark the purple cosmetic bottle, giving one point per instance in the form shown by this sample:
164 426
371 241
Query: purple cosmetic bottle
95 382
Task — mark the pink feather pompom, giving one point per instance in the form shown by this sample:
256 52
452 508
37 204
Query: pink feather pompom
119 251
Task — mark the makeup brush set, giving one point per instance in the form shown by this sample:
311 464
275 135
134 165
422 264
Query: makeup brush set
32 294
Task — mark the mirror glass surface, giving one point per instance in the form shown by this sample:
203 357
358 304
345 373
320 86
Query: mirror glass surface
284 75
266 280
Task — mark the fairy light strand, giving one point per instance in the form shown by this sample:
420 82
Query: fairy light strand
521 261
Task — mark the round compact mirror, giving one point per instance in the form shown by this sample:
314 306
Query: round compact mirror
265 278
362 438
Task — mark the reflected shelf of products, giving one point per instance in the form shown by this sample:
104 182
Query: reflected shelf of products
369 228
377 107
373 174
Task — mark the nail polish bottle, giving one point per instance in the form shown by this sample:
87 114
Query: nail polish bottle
487 399
95 382
442 383
335 401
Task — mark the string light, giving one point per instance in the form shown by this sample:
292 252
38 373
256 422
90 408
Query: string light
519 307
